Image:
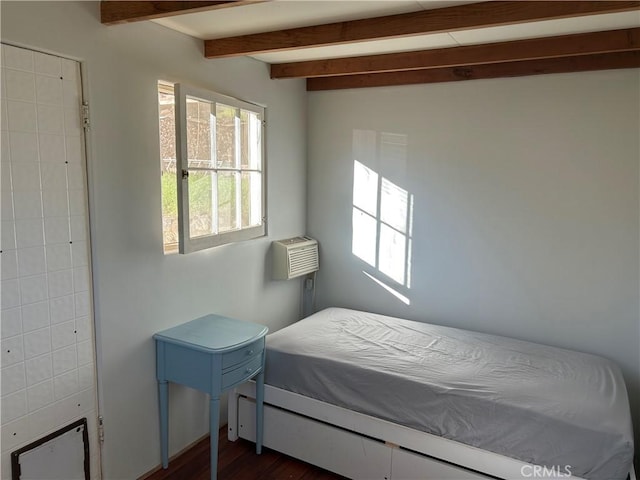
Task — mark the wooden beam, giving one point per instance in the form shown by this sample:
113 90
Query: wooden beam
124 11
605 61
475 15
531 49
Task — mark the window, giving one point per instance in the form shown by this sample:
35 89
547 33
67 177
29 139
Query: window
212 150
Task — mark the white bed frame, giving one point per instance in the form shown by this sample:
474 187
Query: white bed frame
359 446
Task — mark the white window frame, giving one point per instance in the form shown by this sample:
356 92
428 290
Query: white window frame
188 244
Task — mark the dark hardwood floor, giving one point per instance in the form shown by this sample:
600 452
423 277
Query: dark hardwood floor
238 461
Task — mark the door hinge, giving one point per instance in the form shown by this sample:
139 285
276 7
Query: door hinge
100 429
85 115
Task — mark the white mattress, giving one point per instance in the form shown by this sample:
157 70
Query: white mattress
535 403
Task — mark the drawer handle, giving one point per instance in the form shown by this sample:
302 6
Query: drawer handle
249 352
248 370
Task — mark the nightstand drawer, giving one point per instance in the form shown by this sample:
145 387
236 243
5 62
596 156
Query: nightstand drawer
245 372
243 354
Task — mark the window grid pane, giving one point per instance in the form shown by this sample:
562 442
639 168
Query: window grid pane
250 126
225 136
251 195
201 130
202 197
227 202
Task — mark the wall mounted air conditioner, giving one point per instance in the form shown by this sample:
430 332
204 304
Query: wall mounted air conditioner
293 257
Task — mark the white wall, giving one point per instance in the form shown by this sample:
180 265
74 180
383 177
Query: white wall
138 290
526 206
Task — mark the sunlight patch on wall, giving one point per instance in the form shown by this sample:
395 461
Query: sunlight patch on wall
365 211
394 222
382 219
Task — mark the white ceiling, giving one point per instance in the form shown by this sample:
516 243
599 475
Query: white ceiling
283 14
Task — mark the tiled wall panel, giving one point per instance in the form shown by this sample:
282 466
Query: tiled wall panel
48 354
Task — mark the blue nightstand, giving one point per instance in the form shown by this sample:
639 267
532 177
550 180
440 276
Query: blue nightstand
211 354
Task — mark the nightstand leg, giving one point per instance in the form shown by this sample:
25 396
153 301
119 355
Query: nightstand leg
259 411
232 420
163 395
214 422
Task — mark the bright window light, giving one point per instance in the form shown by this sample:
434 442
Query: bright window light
382 211
365 188
393 205
404 299
364 236
392 253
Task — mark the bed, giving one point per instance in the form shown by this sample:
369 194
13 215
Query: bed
372 396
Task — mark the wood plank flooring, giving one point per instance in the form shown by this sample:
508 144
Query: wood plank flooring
238 461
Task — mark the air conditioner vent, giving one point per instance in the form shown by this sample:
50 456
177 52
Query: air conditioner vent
294 257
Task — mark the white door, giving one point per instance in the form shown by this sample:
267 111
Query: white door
48 342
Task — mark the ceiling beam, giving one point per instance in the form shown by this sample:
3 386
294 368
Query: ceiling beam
474 15
123 11
605 61
531 49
